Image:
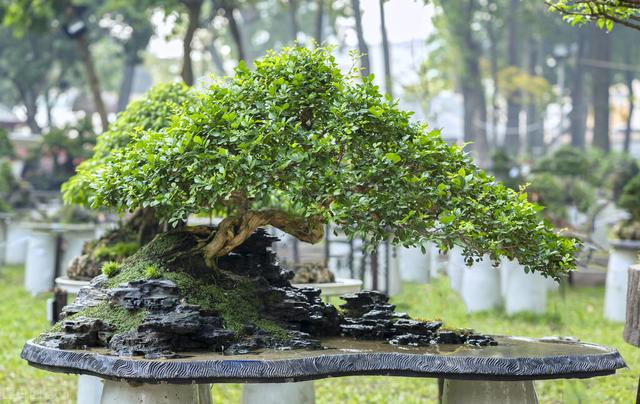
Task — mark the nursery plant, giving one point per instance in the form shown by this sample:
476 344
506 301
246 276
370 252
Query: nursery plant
292 143
630 201
151 112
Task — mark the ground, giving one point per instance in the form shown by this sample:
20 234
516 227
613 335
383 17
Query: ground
574 312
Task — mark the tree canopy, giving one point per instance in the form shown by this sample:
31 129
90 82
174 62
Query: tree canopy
604 12
152 112
294 143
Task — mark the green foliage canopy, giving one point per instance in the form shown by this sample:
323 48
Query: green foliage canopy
603 12
152 112
297 136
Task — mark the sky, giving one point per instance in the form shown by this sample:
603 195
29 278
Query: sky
407 20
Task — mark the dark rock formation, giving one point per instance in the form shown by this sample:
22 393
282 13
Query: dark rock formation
157 318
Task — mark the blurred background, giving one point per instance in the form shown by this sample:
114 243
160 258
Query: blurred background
534 100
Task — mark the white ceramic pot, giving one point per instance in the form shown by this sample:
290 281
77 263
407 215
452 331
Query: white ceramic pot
481 286
624 253
523 292
16 243
73 243
40 263
455 268
414 265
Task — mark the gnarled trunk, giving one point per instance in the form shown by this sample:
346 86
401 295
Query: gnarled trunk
234 230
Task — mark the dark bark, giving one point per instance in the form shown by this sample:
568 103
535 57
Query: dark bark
29 100
362 44
493 61
319 20
92 78
578 114
475 107
386 52
629 77
234 30
194 8
601 79
631 332
512 132
535 132
293 17
126 85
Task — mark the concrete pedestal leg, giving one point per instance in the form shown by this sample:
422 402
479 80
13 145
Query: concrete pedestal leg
615 293
278 393
89 389
40 264
124 393
488 392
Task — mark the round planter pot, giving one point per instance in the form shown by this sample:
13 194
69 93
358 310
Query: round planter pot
523 292
455 268
481 286
40 263
414 265
73 242
624 253
16 243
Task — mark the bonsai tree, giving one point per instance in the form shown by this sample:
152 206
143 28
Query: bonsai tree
630 201
566 178
292 144
152 112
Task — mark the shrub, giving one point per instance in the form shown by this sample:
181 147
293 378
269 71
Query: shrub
110 268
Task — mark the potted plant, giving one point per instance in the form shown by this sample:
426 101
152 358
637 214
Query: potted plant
292 144
153 112
624 252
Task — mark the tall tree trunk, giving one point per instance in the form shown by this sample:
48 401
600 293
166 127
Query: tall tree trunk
30 104
234 30
386 52
495 106
362 44
127 81
535 129
475 106
92 78
512 132
601 78
629 76
293 17
578 114
319 20
194 8
48 104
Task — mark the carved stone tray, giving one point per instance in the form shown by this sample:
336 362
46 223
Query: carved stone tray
513 359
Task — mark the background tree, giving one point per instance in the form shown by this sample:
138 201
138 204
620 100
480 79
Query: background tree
363 48
42 17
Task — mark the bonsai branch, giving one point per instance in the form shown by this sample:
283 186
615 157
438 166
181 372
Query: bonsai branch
234 230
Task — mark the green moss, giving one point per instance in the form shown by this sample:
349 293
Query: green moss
172 256
116 251
151 272
110 269
124 320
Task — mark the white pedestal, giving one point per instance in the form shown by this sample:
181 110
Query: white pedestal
615 294
414 265
16 243
73 243
89 389
40 262
488 392
523 292
456 268
279 393
123 393
481 286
